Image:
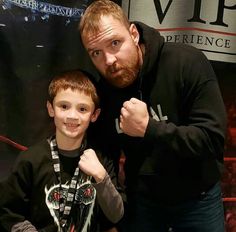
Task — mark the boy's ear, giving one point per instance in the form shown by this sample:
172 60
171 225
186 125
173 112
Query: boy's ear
50 109
95 115
134 33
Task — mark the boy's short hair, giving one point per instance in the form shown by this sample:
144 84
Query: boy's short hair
75 80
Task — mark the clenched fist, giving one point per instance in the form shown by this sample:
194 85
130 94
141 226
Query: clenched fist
134 117
91 166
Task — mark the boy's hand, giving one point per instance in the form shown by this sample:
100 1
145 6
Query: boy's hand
91 166
134 117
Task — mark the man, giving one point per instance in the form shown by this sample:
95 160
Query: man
163 109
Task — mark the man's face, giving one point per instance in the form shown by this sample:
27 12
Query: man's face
114 51
72 112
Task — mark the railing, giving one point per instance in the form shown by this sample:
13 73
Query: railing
12 143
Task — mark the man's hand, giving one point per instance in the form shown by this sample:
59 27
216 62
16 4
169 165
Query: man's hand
91 166
134 117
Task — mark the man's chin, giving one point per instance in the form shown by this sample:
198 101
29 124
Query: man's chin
120 84
117 80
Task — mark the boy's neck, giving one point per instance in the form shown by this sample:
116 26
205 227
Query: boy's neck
68 144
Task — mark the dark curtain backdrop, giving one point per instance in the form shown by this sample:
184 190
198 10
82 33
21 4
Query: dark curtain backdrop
36 41
39 41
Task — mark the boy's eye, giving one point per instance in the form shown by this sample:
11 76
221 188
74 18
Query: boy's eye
82 109
64 107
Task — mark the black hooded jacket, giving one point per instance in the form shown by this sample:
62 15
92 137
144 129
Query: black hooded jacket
181 154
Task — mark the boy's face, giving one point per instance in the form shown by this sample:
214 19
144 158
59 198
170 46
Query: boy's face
72 112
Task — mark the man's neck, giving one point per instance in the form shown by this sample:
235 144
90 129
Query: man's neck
141 53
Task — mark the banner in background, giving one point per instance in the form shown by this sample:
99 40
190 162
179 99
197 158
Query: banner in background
209 25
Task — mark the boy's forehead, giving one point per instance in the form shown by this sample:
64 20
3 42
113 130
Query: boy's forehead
73 95
70 90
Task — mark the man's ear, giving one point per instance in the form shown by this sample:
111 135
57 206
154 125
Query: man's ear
134 33
95 115
50 109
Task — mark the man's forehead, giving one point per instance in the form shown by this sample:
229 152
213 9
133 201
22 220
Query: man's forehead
102 38
105 22
107 31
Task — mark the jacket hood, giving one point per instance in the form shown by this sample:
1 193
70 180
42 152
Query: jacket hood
153 42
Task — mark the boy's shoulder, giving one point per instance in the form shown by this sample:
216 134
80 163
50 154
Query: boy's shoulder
36 151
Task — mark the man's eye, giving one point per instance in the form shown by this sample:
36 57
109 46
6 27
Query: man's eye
95 53
115 43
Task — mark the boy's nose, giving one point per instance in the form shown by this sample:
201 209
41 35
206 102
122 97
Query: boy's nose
73 114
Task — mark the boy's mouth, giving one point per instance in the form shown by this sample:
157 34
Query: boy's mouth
72 125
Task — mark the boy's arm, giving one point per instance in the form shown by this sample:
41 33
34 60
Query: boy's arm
14 197
24 226
108 197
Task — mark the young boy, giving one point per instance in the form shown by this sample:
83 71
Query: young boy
61 184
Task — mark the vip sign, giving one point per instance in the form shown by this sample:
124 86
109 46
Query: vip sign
209 25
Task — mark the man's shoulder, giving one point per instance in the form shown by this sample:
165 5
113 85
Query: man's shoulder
182 54
181 50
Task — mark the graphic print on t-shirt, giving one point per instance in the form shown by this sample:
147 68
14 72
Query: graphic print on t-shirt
82 210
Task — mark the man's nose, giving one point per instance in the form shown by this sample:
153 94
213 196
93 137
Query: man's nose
110 58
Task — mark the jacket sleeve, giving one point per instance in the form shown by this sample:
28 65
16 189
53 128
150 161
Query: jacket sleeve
15 193
200 126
